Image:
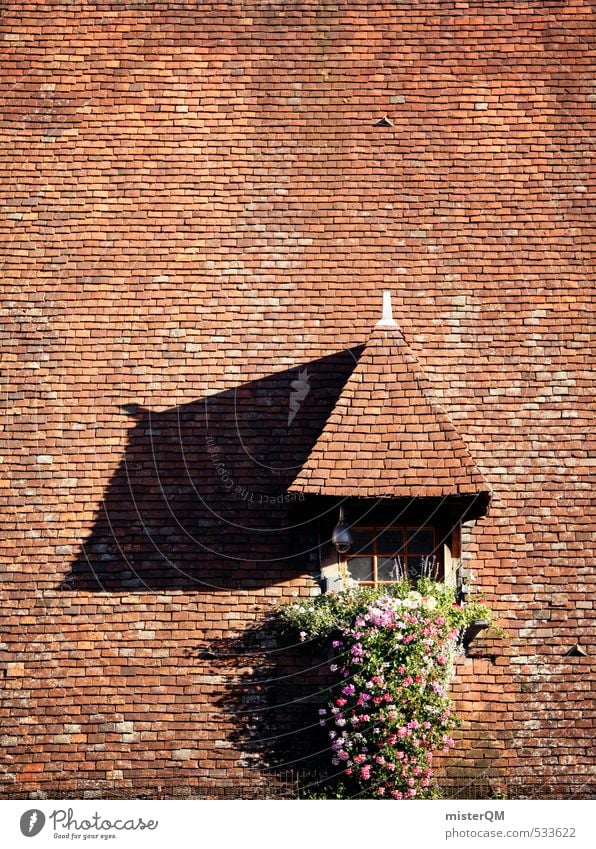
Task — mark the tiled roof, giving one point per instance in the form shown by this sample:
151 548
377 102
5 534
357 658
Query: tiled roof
387 435
199 205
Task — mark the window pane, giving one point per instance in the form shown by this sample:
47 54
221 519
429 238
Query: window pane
361 568
424 566
362 541
390 542
414 567
388 570
420 541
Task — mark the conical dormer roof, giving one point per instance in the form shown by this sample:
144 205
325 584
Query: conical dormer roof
387 435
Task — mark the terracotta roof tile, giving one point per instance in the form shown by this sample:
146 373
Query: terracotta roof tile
387 435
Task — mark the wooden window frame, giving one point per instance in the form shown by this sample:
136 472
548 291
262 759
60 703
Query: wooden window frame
377 530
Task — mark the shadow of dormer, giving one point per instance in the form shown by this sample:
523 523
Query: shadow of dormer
199 499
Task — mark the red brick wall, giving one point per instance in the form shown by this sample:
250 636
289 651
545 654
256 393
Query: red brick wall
198 199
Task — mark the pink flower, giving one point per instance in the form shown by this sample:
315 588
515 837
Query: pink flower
381 791
359 759
365 772
348 771
395 794
341 702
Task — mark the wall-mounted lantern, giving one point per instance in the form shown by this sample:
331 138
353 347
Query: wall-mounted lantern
342 537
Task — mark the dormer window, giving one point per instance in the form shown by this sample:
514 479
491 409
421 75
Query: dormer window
392 540
392 458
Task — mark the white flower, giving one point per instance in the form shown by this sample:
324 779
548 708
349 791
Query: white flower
429 602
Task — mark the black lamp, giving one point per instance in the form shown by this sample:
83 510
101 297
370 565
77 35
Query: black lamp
342 537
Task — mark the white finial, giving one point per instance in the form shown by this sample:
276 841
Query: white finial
387 317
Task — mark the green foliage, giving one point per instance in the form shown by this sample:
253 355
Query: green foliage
324 616
390 708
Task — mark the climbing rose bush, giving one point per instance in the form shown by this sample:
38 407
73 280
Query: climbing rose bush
393 659
391 710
